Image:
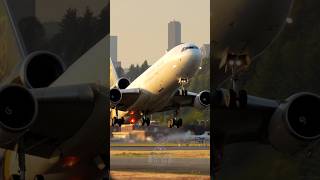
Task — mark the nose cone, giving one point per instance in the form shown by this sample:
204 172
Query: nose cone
193 56
191 60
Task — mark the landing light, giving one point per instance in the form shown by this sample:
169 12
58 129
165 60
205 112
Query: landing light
132 120
70 161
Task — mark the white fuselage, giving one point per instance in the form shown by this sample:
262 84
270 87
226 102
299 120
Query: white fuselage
160 82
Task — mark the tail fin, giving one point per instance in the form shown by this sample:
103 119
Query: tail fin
113 74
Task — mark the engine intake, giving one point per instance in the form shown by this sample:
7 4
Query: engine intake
123 83
296 123
202 100
115 96
18 110
40 69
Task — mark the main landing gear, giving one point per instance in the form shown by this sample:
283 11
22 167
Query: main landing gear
22 164
182 82
239 99
116 120
145 120
175 121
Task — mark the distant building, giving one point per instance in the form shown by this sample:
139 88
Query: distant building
174 34
114 50
205 50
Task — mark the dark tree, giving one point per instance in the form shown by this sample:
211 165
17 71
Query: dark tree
33 33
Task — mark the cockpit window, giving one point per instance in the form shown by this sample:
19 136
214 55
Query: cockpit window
189 47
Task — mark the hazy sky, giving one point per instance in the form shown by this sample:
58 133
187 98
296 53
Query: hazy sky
142 25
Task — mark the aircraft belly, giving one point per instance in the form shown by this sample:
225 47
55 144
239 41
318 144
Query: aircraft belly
156 95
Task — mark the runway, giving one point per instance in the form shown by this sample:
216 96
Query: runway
172 159
161 164
150 148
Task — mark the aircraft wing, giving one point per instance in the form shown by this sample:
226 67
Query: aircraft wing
188 100
128 98
249 123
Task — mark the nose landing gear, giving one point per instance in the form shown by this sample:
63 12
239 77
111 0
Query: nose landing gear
174 122
182 82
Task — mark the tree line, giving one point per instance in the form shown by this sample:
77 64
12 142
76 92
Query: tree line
75 36
134 70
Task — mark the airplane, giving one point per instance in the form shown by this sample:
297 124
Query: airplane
241 31
205 137
160 88
53 118
202 138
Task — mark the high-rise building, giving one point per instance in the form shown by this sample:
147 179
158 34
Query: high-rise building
114 49
174 34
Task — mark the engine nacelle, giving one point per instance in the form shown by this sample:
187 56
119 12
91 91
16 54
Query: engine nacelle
40 69
123 83
202 100
18 110
296 123
115 96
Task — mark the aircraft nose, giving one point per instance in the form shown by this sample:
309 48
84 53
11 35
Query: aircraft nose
194 56
191 62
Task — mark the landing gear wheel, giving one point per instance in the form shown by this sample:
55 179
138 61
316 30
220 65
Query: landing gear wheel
148 121
38 177
243 98
185 92
170 123
15 177
114 121
179 122
121 121
232 99
175 122
143 121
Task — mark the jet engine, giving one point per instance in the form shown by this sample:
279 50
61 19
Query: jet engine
202 100
40 69
18 110
115 96
295 123
123 83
